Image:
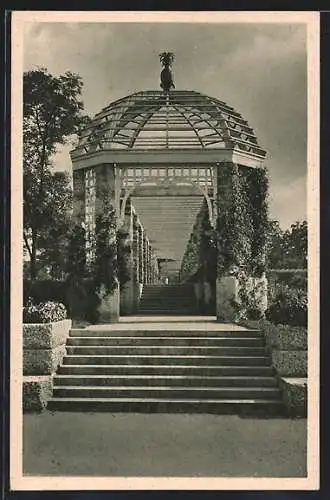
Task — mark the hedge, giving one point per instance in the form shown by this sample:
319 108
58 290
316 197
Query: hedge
46 312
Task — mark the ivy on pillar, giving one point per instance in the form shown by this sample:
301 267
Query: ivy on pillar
145 259
136 262
79 195
240 235
149 263
105 262
127 262
141 262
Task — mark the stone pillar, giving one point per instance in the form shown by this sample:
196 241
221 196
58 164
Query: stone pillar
226 285
145 259
127 289
79 195
107 200
236 227
136 263
149 263
141 260
155 274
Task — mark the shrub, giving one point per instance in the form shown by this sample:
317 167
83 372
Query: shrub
294 278
289 307
46 312
44 291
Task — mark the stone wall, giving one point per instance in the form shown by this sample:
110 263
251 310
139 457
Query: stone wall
43 352
288 348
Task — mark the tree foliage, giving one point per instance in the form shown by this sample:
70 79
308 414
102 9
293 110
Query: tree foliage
287 249
52 112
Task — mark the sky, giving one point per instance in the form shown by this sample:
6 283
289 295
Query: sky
259 69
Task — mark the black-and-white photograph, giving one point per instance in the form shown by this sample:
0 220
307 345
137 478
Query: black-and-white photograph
166 321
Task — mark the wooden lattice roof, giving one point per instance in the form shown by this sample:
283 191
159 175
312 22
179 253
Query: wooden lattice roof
157 120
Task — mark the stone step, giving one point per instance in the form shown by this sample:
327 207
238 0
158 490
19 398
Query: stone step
156 341
137 350
85 332
172 301
168 290
169 309
161 380
166 370
167 295
157 297
166 311
151 297
166 392
246 407
79 359
160 303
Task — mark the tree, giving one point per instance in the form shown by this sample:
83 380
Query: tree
274 245
55 223
52 113
287 249
295 245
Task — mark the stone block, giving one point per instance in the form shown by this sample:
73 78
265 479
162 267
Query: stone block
226 294
127 299
290 363
109 307
294 392
42 361
37 391
45 335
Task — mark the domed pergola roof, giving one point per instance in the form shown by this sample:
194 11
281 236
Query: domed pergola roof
155 120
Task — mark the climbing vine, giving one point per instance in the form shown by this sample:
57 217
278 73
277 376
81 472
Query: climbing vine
242 233
234 225
250 290
257 188
242 220
104 268
199 260
124 256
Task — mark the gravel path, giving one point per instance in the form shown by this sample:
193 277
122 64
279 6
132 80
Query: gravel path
102 444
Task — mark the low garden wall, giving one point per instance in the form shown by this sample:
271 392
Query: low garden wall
43 352
287 346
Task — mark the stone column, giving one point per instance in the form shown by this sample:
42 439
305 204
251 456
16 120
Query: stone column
79 195
235 227
226 285
145 259
136 262
155 277
127 289
141 260
149 263
107 200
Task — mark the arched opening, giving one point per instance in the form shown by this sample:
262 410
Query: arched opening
169 208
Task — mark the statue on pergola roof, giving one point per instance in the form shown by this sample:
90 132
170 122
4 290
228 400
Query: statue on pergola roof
166 77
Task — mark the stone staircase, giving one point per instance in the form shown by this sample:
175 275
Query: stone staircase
150 371
162 300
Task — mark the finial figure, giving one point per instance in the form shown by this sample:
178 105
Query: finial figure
166 77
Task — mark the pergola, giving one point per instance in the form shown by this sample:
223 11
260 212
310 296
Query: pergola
151 145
